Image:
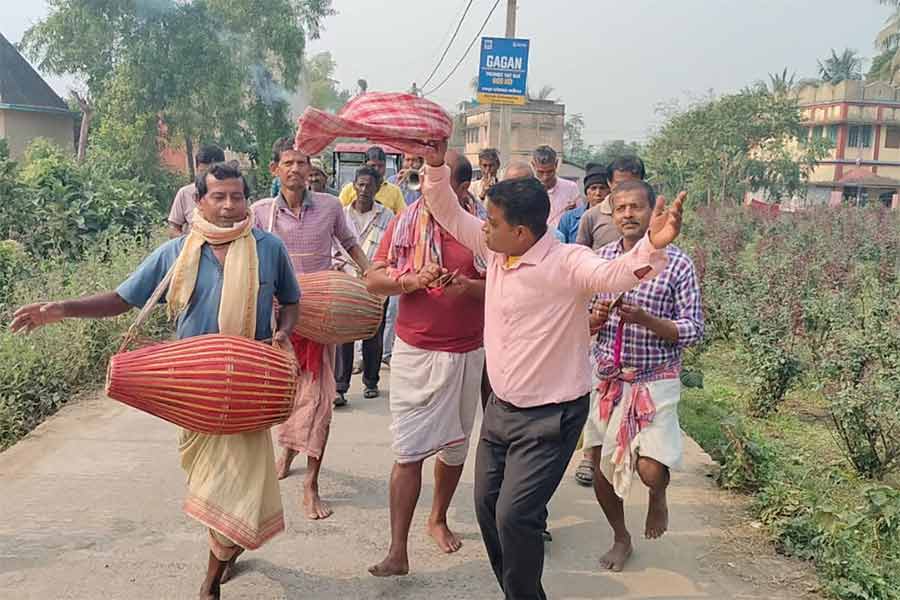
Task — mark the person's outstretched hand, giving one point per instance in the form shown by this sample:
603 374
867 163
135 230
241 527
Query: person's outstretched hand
665 224
33 316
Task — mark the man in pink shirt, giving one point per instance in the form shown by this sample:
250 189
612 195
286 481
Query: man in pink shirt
182 211
536 342
564 194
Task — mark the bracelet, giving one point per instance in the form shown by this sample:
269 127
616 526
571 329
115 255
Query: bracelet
402 287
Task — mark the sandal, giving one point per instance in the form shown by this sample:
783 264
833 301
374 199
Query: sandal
340 400
584 474
371 392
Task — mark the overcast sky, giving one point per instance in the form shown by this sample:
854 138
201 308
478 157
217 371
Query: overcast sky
611 60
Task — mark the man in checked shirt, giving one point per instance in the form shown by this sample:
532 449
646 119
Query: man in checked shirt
633 419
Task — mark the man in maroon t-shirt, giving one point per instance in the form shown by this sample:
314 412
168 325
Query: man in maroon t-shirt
436 364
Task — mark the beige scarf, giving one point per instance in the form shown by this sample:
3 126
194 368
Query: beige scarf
237 308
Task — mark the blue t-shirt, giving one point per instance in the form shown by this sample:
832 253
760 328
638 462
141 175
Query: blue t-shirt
276 280
568 225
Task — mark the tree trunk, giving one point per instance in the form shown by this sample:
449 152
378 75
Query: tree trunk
87 115
189 152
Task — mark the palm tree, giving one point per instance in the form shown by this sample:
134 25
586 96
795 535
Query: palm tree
886 66
781 84
836 69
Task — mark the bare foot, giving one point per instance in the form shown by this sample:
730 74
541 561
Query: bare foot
615 559
283 466
390 567
445 539
230 569
313 505
657 516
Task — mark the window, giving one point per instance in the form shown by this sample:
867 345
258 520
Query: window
892 137
817 132
859 136
833 133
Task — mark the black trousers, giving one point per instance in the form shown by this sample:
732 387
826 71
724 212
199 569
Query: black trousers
521 458
372 351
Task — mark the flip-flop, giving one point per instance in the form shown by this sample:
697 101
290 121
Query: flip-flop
584 474
371 393
340 400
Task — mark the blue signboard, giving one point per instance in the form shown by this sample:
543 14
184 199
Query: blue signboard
503 71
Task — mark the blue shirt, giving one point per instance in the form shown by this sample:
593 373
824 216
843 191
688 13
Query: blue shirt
568 225
276 280
409 196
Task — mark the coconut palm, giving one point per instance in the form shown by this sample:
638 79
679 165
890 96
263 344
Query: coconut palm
837 68
781 84
886 66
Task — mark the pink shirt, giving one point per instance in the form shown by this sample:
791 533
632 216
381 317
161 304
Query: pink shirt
309 236
564 195
182 211
536 320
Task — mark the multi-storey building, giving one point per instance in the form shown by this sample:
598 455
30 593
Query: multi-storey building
863 123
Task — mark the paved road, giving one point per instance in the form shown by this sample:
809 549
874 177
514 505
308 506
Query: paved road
90 509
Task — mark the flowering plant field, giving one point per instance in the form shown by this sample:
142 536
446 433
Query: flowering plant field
801 365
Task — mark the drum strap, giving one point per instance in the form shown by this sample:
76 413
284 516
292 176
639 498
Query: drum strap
148 307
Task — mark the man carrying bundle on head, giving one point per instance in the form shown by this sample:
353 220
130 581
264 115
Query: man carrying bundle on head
225 276
437 363
536 340
307 222
633 423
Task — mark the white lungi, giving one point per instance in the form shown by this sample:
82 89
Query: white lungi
434 398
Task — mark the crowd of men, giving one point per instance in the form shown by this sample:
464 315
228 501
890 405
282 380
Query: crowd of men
495 288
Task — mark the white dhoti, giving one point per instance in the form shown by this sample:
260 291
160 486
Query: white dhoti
434 398
634 419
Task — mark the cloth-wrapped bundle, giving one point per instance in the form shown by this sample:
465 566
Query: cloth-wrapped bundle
401 120
336 308
214 384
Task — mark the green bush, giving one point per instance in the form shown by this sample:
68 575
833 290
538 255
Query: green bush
41 371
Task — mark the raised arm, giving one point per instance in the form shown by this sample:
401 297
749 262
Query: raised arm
590 273
647 259
444 206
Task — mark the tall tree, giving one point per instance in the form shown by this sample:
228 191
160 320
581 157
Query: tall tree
837 68
194 64
717 149
781 84
320 85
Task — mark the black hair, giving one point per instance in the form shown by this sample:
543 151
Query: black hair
544 155
524 201
285 144
376 153
631 186
462 170
628 164
221 170
370 171
208 155
490 154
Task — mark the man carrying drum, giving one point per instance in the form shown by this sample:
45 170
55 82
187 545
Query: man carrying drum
307 222
209 293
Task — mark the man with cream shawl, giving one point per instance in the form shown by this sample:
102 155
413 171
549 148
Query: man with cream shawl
225 275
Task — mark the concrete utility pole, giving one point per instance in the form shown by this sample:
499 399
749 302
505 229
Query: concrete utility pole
506 109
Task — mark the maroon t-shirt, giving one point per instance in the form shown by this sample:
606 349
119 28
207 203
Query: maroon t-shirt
440 323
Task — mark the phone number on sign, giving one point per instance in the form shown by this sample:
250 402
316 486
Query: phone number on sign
501 81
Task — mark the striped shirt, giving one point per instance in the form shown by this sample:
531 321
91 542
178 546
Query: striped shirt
308 237
674 294
373 224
